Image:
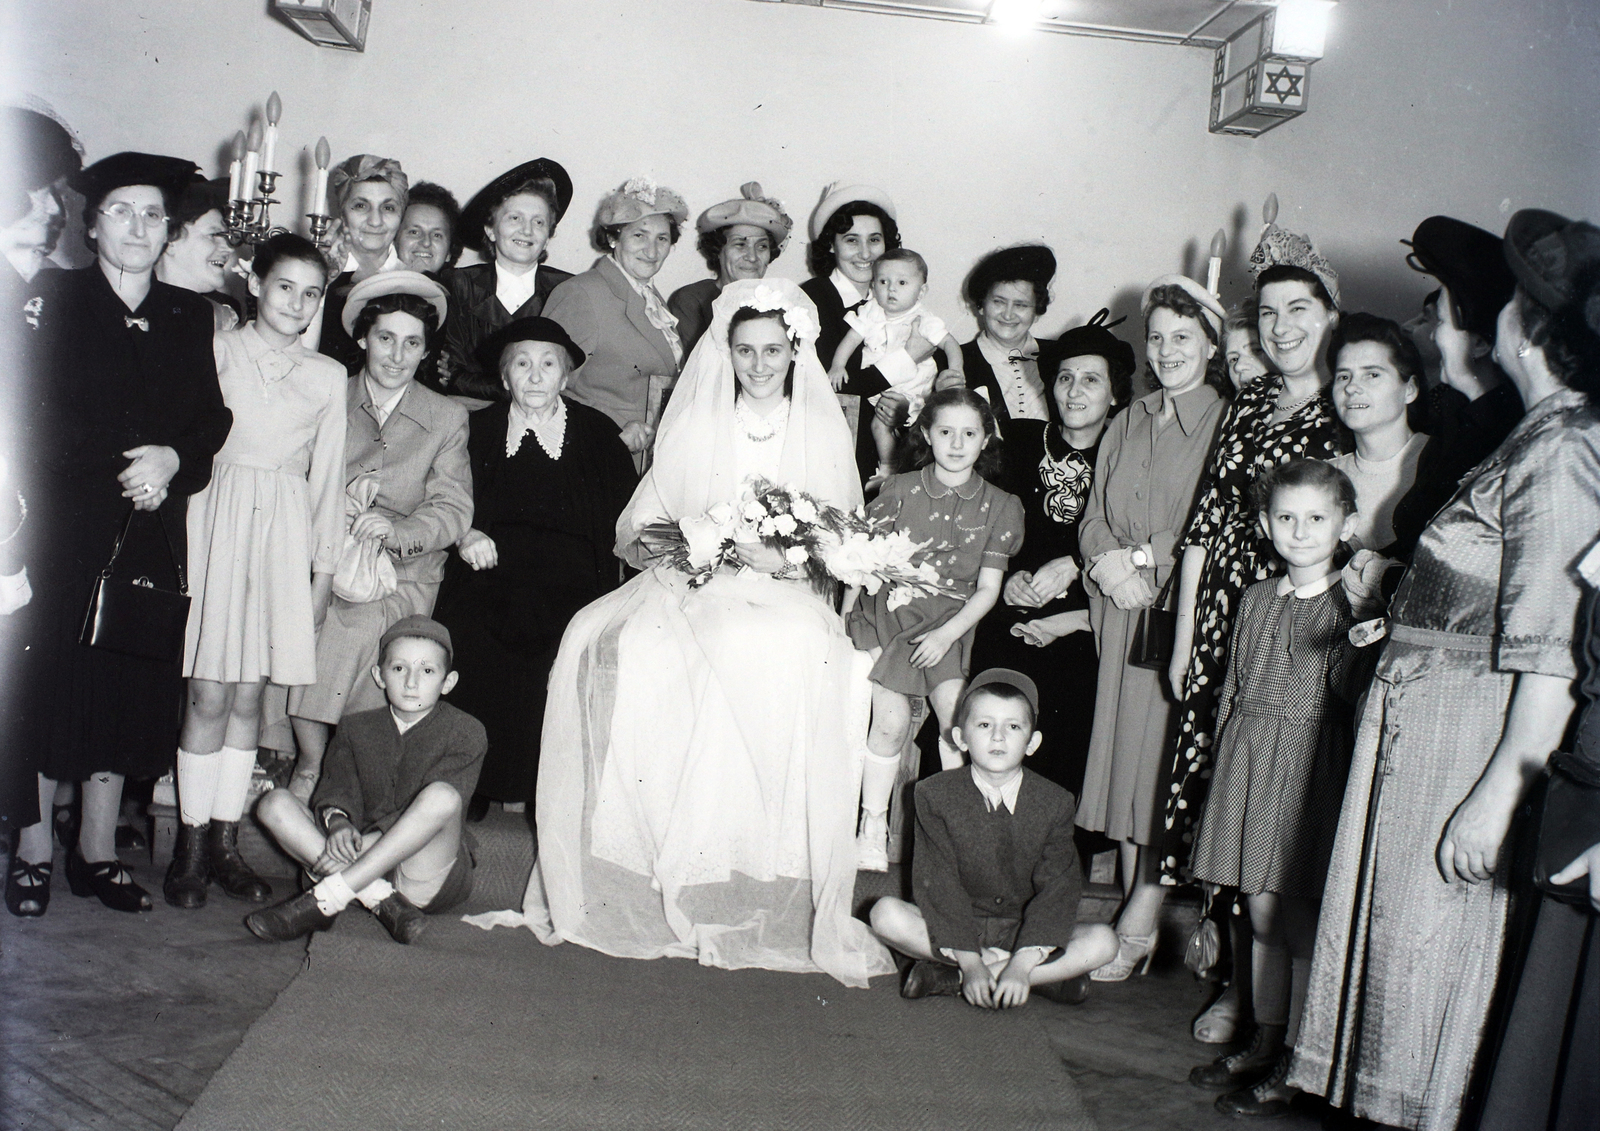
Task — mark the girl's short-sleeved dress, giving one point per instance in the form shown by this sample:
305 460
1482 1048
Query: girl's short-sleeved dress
966 529
1283 742
272 514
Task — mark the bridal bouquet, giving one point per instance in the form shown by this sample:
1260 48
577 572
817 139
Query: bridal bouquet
822 542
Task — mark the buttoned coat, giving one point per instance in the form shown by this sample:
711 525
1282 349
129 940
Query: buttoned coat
424 475
606 317
476 312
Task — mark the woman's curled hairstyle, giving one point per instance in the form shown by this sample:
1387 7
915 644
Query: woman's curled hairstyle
1183 304
419 308
819 252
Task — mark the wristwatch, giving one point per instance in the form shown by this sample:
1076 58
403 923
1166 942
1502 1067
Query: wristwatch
1140 559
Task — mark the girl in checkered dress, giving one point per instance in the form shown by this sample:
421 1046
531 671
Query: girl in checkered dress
1284 740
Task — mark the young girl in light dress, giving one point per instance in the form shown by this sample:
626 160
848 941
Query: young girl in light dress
1284 741
924 647
264 537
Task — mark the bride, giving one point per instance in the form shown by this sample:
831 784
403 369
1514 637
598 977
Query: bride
700 771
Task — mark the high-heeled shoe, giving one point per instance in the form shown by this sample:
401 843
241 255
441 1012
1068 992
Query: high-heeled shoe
27 901
109 881
1131 950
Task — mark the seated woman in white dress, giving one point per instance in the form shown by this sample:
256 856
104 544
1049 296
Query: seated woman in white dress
701 748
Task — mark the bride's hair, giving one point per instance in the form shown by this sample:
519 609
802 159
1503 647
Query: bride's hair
750 314
914 451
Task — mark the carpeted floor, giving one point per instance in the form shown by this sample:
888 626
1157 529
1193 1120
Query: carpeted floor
474 1029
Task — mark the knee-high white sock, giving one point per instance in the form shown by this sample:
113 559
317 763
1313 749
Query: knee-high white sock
233 783
1299 982
877 781
197 786
1269 972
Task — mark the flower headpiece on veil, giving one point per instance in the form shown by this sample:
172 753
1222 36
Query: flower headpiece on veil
1278 246
695 465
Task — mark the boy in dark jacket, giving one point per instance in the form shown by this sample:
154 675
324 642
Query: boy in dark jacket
384 826
996 874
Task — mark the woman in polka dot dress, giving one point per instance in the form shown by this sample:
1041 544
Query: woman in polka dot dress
924 647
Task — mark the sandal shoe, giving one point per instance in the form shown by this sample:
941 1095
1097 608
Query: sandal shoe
931 979
1244 1069
230 870
187 876
108 880
1073 991
289 920
1219 1024
1131 949
28 900
1272 1098
401 918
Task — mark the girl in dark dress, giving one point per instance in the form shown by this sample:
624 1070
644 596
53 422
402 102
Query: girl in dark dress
129 414
1041 628
549 477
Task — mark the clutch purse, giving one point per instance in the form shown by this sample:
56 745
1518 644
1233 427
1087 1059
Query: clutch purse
1153 634
1568 827
1205 944
134 617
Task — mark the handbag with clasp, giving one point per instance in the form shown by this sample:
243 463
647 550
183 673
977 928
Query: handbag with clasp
135 617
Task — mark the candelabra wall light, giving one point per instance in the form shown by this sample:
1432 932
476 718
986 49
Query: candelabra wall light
253 178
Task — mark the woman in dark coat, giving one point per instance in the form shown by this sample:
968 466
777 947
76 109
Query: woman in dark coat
509 222
129 414
1008 290
850 230
549 478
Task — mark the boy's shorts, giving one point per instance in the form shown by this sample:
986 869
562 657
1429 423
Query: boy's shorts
442 891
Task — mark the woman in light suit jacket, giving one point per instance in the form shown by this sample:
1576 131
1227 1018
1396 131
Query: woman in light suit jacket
617 317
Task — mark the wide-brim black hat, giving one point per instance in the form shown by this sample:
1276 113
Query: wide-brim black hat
1549 255
169 174
526 330
478 210
1033 262
200 196
1470 263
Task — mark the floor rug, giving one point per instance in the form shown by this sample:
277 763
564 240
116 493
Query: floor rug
473 1029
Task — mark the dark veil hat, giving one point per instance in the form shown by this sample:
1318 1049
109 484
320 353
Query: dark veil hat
478 210
169 174
1033 262
1470 263
1093 338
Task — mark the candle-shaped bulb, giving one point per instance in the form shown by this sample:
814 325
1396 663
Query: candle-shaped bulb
1269 210
252 161
238 146
324 155
274 109
252 142
1219 244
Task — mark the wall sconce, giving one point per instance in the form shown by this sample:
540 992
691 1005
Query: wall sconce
1260 77
329 23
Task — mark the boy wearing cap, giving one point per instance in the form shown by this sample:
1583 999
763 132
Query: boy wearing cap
384 826
996 873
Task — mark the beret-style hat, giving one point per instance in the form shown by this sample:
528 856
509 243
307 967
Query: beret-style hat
1003 677
392 283
526 330
38 149
637 198
1034 262
1470 263
492 195
1093 338
1209 306
97 181
1548 252
418 625
751 207
834 198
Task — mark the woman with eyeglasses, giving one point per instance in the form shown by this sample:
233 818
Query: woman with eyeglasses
130 415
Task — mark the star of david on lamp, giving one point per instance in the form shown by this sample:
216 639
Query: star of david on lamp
1260 78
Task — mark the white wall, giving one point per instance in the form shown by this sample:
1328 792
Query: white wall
1469 107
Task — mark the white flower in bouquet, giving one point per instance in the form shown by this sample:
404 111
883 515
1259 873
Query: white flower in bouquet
754 511
767 527
804 509
785 524
704 537
722 514
927 572
854 560
796 555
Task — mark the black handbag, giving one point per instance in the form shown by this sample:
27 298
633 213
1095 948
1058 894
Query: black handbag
1568 826
134 617
1155 631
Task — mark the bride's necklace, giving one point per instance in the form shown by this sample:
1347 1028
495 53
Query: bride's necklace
757 429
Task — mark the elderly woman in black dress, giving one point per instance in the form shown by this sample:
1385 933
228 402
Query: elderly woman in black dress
1042 629
549 478
130 415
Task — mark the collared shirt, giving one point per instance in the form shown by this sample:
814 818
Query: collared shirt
848 291
391 261
1310 589
996 796
551 433
1017 372
655 309
383 401
512 289
401 724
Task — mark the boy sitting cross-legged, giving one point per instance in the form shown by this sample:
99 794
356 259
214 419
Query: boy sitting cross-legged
384 826
995 873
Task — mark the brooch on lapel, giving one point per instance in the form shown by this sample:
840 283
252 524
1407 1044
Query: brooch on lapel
31 311
130 322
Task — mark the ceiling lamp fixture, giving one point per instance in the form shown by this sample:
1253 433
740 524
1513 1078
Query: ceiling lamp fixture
1260 78
1015 15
